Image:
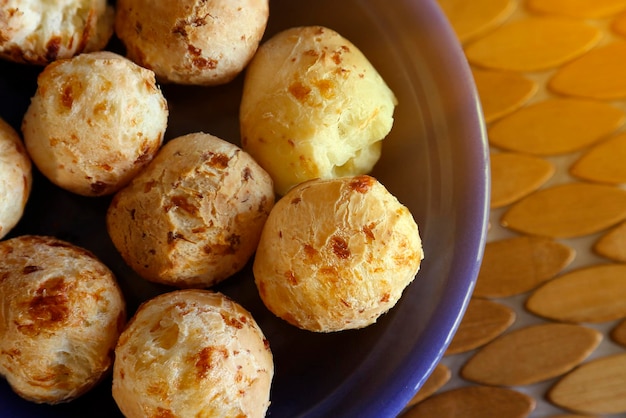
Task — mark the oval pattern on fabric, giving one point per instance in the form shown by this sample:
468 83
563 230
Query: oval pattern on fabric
618 333
583 9
612 245
596 387
515 175
483 321
604 163
532 354
469 20
439 377
556 126
590 294
516 265
618 25
474 402
599 74
570 416
567 210
532 44
502 92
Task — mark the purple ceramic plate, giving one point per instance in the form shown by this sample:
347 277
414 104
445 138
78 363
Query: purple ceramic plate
435 161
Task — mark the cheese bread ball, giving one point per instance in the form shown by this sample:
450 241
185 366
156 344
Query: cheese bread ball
61 313
313 106
94 122
39 32
205 42
15 178
194 216
192 353
336 254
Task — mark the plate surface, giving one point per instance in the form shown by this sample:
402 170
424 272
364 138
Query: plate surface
435 161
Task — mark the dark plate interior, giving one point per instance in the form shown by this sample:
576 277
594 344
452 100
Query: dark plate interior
435 161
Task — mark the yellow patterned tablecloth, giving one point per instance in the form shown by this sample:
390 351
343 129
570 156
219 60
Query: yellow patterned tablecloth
543 335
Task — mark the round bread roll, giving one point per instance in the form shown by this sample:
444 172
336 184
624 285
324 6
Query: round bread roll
192 42
192 353
39 32
15 178
94 122
336 254
194 216
313 106
61 315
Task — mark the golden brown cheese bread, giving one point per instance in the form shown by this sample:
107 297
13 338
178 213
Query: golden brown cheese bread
193 217
192 42
39 32
336 254
192 353
94 122
313 106
61 313
15 178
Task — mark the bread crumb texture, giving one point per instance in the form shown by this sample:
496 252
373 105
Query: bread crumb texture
336 254
192 42
94 122
313 106
40 32
61 312
192 353
194 216
15 178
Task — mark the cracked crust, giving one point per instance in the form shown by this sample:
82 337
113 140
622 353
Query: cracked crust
94 122
39 32
192 42
336 254
313 106
193 217
192 353
61 312
15 178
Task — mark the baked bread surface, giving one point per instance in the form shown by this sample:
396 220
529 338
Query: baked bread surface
192 42
313 106
15 178
194 216
336 254
94 122
39 32
61 313
192 353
